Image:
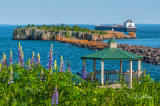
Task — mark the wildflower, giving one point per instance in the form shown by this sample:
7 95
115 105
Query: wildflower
84 74
38 59
95 92
55 96
20 56
33 60
29 65
50 62
55 65
0 66
42 74
74 83
11 77
62 67
79 84
4 61
10 57
69 68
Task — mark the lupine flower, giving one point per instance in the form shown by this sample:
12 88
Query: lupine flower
50 61
10 57
42 76
38 59
84 74
33 60
20 56
0 67
55 97
4 61
11 77
29 64
55 65
92 77
62 67
69 68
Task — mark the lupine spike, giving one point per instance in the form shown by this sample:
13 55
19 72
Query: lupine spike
32 61
19 45
4 62
55 96
29 64
20 56
84 74
10 57
0 67
62 67
69 68
55 65
11 76
50 62
38 58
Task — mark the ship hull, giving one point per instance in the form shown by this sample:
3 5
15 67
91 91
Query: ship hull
120 29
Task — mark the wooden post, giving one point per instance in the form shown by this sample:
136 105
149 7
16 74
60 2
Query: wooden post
139 67
120 69
94 68
102 72
130 75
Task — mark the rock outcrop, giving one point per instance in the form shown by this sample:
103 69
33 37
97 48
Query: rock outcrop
34 33
151 55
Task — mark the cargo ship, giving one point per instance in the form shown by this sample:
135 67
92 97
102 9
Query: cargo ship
128 26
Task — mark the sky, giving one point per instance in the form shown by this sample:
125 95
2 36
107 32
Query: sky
23 12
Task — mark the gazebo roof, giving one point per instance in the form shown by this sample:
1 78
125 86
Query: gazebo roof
112 54
111 41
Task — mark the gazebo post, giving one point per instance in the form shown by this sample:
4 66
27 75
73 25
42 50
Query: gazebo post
130 75
139 67
120 69
102 72
94 68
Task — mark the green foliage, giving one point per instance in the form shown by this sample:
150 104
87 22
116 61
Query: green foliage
76 28
28 89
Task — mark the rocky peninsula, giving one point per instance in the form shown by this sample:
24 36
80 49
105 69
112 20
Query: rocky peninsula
88 39
50 33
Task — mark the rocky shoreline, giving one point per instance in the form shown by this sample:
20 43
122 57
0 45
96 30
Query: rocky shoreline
34 33
151 55
89 40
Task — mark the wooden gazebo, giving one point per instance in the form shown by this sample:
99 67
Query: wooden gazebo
113 53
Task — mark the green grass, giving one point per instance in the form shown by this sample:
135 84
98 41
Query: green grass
28 90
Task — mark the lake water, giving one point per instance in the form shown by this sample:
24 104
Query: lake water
148 35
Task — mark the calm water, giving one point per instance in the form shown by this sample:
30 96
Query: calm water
148 35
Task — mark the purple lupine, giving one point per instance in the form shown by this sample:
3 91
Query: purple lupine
55 97
4 61
10 59
38 59
50 60
84 74
20 56
62 67
33 61
69 68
